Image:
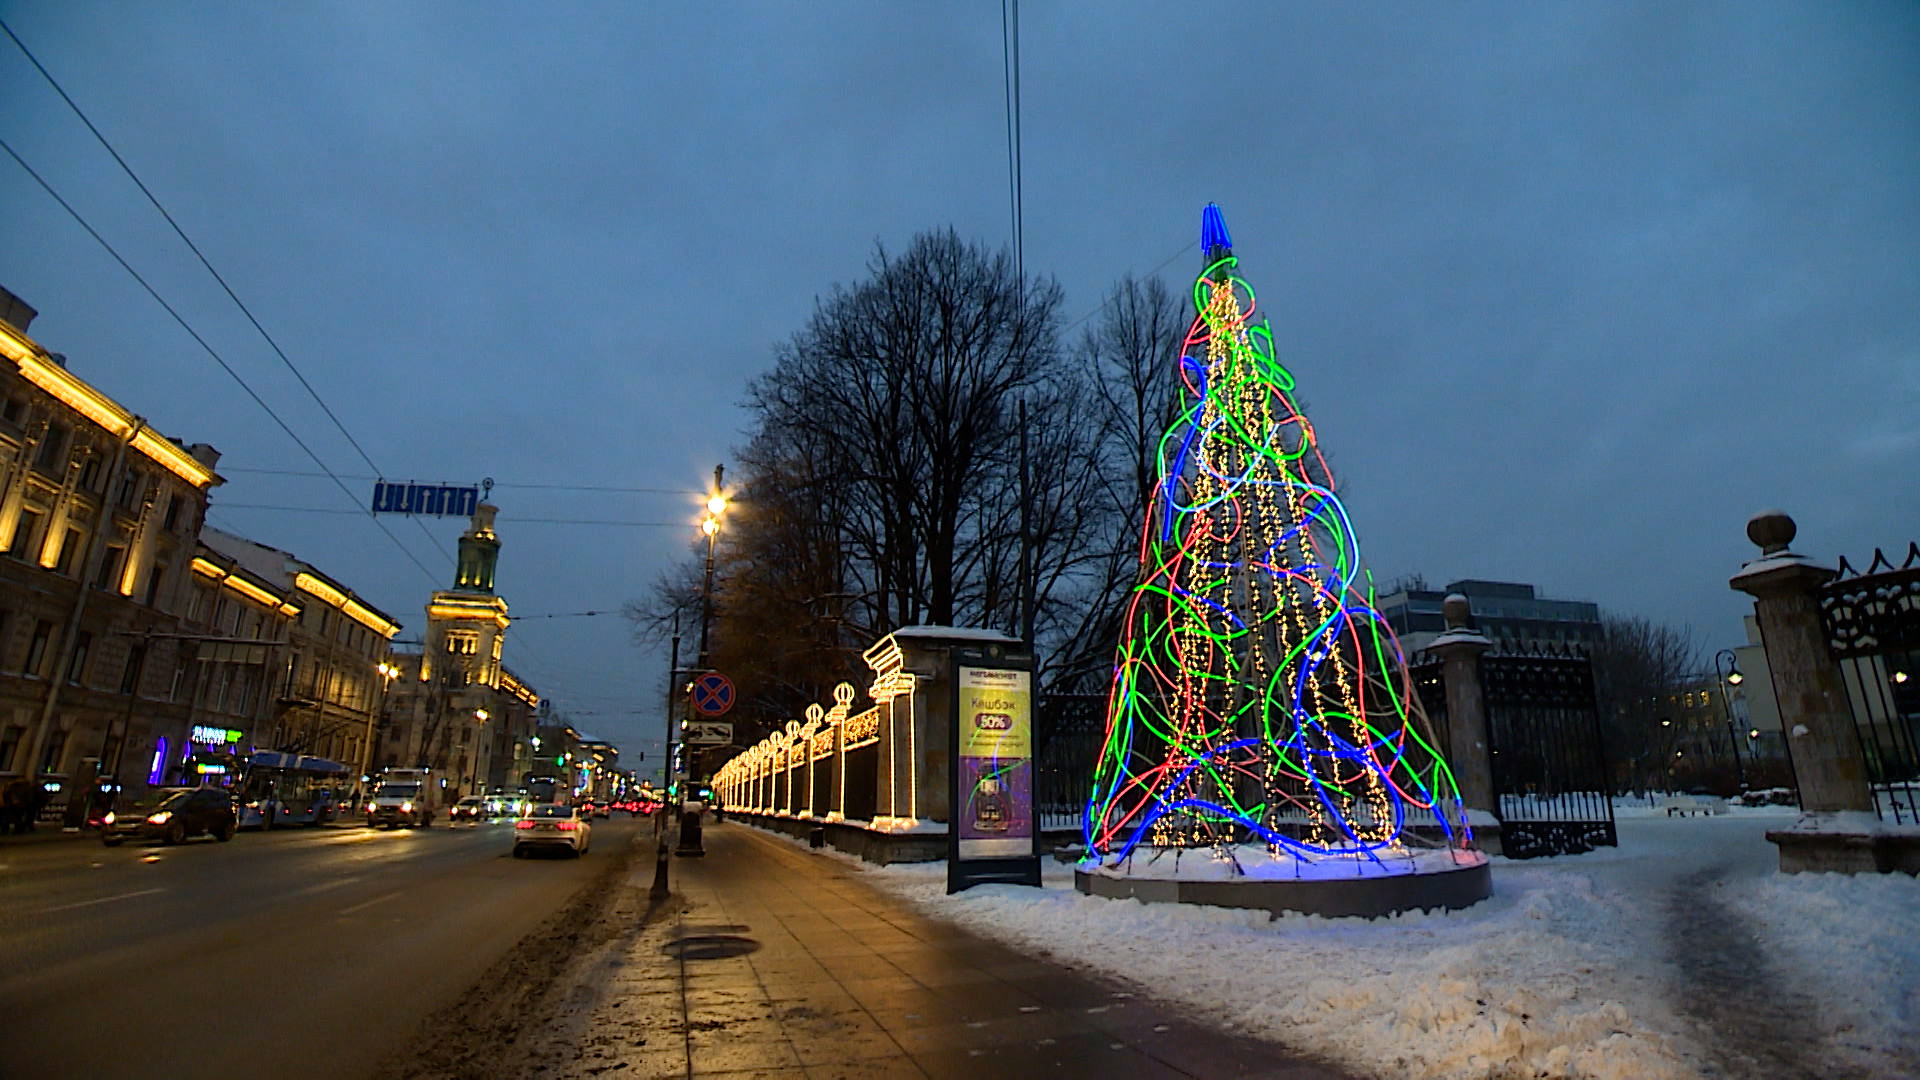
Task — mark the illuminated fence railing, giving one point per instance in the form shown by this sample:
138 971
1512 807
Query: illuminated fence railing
862 730
838 765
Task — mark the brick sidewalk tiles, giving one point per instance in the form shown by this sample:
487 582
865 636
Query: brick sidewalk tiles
773 962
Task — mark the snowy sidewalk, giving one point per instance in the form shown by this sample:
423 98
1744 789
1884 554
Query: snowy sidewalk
777 962
1681 954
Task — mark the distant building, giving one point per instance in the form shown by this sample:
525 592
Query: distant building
322 681
456 709
98 518
1509 613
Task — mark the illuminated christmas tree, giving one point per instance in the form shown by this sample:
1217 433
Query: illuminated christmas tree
1258 697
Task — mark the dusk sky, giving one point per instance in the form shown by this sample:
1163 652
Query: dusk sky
1570 291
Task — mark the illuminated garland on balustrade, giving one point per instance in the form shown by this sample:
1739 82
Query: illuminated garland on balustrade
1257 694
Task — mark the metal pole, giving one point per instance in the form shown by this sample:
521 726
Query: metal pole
660 886
1726 703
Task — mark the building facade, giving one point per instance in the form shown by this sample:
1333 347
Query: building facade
317 686
456 708
1512 615
99 516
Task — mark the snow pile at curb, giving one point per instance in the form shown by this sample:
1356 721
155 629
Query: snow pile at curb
1505 989
1857 935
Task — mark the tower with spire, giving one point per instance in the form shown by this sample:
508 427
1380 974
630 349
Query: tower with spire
467 624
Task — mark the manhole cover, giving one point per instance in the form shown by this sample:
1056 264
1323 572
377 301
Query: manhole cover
710 946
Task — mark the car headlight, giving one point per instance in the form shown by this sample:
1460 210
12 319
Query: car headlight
108 820
406 808
160 818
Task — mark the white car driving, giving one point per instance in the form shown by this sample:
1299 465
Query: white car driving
552 827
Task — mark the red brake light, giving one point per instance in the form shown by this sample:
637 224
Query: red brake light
567 826
523 824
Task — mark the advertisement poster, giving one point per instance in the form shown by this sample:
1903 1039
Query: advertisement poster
995 782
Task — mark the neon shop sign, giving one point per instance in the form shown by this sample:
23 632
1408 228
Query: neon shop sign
216 736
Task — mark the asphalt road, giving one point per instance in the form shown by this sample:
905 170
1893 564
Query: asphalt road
290 954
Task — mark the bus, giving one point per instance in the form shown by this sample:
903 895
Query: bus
545 789
290 789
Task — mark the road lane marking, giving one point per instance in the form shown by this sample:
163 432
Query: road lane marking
322 887
368 904
102 900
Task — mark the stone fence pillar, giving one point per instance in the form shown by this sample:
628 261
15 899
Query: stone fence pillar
1839 827
1467 750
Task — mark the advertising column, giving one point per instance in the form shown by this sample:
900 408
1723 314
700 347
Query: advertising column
993 833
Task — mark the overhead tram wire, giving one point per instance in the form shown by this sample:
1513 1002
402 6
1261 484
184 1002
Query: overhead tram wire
210 351
198 254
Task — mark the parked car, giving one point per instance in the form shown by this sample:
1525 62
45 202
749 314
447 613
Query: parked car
470 810
602 809
180 813
550 826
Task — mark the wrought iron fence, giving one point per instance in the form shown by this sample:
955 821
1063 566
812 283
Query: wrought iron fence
1551 789
1068 731
1872 622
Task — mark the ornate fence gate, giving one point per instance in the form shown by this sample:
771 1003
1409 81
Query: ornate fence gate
1872 620
1068 733
1551 785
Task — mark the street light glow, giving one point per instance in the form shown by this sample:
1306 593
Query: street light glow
710 526
1734 678
717 505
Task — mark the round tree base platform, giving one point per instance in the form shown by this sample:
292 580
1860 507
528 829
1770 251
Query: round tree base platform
1455 886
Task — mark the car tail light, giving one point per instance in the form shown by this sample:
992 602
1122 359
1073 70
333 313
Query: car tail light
567 826
523 824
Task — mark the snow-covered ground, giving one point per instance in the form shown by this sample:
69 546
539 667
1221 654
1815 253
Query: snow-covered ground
1682 953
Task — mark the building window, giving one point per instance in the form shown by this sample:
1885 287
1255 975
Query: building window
110 567
14 411
37 650
130 678
173 512
10 741
69 551
153 583
78 668
23 532
53 449
130 484
56 749
179 681
90 473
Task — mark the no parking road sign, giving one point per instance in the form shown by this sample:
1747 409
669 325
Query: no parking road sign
712 694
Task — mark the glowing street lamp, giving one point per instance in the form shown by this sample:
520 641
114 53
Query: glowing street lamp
1731 677
388 671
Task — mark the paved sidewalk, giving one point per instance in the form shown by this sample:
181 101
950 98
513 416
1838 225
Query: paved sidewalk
779 963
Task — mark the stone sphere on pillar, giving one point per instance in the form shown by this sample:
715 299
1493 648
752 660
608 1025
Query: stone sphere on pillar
1771 531
1457 610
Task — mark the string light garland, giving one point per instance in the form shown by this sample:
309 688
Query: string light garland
1258 695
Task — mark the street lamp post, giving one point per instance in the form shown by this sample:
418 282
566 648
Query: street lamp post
1730 677
690 845
388 672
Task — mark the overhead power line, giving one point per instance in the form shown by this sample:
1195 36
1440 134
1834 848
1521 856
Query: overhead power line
210 350
198 254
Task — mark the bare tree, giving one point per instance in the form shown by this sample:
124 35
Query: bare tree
1638 666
